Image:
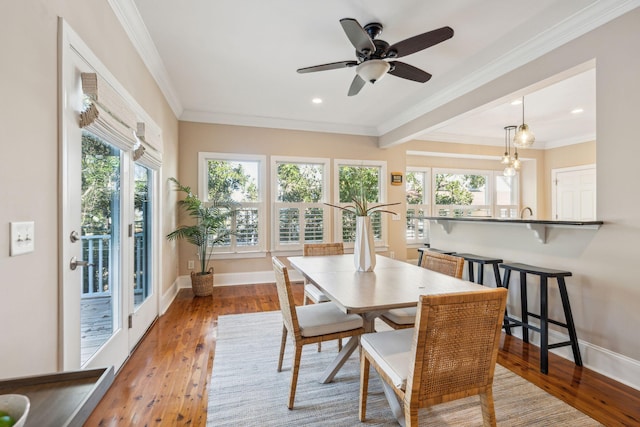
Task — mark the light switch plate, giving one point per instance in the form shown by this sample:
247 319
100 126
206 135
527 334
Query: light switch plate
22 237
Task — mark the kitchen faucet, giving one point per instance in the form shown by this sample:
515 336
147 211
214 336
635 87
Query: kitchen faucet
522 211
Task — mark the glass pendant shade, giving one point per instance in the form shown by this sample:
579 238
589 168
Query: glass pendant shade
505 159
373 70
509 171
516 162
524 137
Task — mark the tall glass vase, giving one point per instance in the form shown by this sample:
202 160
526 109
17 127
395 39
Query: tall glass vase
364 251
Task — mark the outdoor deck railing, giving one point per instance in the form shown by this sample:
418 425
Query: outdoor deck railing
97 277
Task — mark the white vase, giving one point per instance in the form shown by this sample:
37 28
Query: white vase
364 251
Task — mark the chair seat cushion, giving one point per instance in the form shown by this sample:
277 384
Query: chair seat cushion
325 318
401 316
391 350
315 294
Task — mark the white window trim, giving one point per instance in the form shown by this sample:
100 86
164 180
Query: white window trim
426 206
512 210
275 241
337 233
242 252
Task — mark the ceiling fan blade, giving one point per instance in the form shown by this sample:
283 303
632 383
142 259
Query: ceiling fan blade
358 36
357 84
409 72
419 42
331 66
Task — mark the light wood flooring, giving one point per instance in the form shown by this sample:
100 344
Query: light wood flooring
166 379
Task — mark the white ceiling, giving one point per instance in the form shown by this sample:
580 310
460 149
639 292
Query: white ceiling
234 62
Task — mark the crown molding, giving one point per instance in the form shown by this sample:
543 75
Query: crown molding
275 123
587 19
130 19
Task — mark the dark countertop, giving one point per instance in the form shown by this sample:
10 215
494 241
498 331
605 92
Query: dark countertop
514 221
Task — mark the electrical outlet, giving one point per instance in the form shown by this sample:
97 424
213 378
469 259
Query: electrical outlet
395 217
22 237
392 254
190 264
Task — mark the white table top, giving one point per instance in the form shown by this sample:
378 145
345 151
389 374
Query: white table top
393 284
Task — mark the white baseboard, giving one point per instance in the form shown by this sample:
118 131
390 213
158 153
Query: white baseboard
248 278
606 362
167 298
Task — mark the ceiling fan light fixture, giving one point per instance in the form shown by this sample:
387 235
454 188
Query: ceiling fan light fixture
372 70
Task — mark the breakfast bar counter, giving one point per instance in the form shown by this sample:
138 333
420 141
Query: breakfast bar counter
538 227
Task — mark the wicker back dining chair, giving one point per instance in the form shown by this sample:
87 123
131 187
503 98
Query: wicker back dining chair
450 265
308 324
401 318
311 292
451 354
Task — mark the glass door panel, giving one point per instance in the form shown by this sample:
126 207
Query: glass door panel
100 310
142 234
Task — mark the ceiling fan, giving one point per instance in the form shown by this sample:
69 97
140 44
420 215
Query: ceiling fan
371 54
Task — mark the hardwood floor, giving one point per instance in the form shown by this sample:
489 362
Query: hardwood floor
165 381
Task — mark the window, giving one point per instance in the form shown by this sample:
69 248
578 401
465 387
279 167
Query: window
300 189
462 193
354 177
418 194
506 204
241 178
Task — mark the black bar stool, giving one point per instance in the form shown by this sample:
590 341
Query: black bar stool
422 250
543 316
473 259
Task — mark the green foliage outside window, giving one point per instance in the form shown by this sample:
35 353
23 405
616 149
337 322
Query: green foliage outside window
229 180
100 184
457 189
415 188
299 183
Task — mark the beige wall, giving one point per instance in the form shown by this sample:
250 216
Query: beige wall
197 137
29 146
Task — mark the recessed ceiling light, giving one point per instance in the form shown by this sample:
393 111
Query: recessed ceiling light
577 111
516 102
317 100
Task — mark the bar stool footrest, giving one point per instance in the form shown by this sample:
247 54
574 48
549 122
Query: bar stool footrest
555 322
560 344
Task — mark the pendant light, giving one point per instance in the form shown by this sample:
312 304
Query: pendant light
510 169
506 158
524 137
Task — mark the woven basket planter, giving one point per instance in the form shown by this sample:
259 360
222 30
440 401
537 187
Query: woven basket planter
202 284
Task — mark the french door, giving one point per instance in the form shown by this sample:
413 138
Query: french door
108 227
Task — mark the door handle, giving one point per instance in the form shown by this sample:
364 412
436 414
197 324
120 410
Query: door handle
75 263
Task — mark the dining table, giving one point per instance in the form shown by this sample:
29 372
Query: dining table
392 284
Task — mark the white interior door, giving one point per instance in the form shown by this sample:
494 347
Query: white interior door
574 195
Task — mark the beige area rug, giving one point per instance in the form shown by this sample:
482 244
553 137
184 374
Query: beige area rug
246 390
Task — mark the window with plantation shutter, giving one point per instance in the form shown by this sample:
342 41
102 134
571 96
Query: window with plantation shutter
299 192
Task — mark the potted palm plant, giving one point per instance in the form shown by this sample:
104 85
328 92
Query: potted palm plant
211 226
